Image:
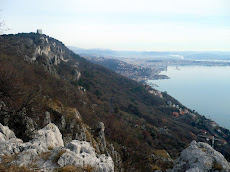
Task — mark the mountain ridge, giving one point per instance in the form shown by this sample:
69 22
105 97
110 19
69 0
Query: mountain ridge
195 55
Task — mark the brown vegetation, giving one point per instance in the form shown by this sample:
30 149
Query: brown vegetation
136 121
71 168
58 155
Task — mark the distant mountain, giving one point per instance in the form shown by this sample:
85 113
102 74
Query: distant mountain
195 55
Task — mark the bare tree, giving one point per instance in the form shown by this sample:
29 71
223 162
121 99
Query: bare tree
2 25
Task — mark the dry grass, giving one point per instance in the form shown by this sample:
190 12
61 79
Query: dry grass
6 159
45 155
217 166
89 168
33 167
69 168
59 107
204 150
88 135
72 168
155 167
50 147
161 153
58 155
94 144
14 168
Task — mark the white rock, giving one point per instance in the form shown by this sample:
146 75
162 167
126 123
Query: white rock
27 157
2 137
82 154
49 136
196 169
81 147
79 153
200 157
15 140
6 133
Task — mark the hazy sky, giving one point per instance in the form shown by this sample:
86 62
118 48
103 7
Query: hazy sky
125 24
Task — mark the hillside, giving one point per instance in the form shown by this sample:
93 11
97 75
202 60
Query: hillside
135 72
42 79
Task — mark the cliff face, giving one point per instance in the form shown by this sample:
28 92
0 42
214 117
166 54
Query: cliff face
42 50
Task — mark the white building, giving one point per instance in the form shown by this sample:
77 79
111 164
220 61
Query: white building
39 31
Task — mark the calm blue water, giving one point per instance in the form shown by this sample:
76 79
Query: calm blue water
202 88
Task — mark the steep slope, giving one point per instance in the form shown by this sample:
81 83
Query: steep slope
41 80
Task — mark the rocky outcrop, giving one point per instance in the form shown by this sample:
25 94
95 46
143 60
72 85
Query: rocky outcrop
21 123
50 136
6 133
200 157
50 53
47 118
102 146
100 133
46 151
47 138
42 50
81 153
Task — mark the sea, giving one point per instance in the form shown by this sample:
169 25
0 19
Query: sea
205 89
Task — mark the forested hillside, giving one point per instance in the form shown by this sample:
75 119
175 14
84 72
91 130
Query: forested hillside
39 75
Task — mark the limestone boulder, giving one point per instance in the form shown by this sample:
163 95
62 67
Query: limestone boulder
82 154
48 143
200 157
26 158
49 136
6 133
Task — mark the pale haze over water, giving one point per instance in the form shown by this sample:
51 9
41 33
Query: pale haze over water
205 89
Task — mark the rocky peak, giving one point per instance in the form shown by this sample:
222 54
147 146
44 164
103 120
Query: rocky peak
48 47
42 50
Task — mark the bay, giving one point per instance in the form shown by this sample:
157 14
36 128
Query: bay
205 89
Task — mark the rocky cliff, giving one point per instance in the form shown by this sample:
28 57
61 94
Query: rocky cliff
44 51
